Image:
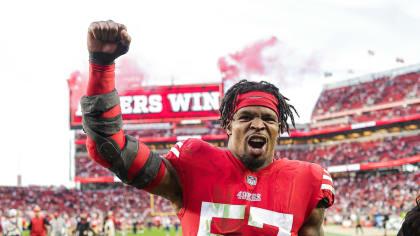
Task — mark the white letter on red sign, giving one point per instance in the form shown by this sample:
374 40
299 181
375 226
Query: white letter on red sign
196 102
211 101
140 104
155 101
125 103
180 101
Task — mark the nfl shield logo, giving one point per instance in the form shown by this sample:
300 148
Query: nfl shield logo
251 180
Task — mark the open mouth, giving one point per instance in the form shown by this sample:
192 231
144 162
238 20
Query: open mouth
257 143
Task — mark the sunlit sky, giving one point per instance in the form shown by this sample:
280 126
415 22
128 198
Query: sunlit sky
43 42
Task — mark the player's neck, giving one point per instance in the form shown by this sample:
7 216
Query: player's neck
268 162
250 165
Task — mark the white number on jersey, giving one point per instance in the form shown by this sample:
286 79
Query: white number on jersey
257 217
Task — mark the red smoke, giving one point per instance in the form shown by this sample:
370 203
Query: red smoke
128 75
267 59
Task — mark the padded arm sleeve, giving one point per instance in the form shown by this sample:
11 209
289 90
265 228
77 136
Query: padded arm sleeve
129 159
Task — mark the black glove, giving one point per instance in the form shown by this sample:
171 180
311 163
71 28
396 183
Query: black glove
105 59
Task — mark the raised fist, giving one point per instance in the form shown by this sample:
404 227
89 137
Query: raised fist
106 41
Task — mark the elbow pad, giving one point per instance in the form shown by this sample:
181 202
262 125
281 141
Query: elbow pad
121 160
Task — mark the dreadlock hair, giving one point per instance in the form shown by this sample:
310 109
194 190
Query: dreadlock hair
229 102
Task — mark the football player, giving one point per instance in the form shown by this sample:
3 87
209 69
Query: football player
241 190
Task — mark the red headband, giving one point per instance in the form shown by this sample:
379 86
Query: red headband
257 98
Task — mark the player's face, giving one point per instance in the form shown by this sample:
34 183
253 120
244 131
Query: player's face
253 134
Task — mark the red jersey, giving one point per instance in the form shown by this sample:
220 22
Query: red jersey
221 196
38 226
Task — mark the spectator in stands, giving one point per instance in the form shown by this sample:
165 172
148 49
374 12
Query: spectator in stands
411 224
39 224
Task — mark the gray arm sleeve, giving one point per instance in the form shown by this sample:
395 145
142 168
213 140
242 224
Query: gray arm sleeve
99 129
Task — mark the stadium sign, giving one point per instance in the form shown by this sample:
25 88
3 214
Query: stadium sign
164 103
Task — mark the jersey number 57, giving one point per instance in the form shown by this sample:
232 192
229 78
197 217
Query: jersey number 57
257 217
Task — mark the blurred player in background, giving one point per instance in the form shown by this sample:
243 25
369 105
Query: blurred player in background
96 223
238 190
358 224
39 225
13 225
83 226
1 224
58 225
109 226
167 224
176 224
134 223
385 222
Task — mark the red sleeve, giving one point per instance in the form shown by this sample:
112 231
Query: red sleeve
327 188
176 158
180 161
321 186
102 81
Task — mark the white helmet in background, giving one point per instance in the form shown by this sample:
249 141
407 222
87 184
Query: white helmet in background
12 212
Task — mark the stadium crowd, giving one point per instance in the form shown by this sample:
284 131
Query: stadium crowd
126 206
85 167
379 91
206 127
366 195
329 154
373 193
351 152
214 128
72 201
375 115
386 114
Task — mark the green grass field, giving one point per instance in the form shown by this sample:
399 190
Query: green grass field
156 232
161 232
153 232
